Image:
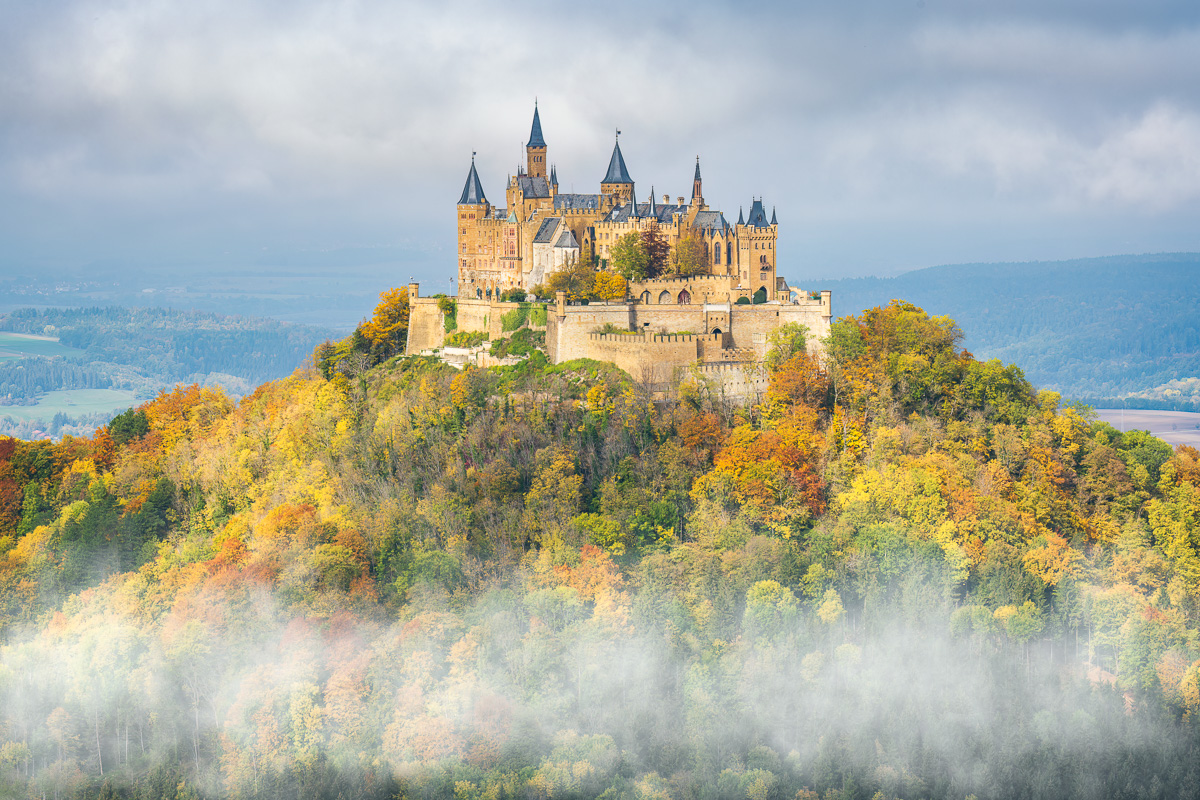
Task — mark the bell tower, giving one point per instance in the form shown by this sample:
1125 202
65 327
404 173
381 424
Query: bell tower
535 148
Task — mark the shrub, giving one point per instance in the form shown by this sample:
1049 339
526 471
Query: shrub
466 338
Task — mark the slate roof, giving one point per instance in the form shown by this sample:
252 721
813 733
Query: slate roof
652 211
546 231
535 134
616 168
773 222
741 219
472 193
553 175
710 219
567 239
697 169
586 202
533 187
758 216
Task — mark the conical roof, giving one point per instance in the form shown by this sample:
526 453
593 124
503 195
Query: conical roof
773 222
697 177
472 193
535 134
616 168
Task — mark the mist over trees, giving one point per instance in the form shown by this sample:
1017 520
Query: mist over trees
903 573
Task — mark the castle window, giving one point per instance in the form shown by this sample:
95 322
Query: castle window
664 298
685 298
717 253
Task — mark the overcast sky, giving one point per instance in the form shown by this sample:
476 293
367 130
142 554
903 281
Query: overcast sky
888 135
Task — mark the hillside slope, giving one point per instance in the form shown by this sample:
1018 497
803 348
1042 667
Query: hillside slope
909 576
1089 328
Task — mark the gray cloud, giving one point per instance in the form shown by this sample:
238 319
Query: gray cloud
887 135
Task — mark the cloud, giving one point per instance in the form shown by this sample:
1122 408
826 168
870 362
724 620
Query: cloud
364 114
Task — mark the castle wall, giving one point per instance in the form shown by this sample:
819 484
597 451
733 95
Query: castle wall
427 326
426 329
742 383
744 328
649 358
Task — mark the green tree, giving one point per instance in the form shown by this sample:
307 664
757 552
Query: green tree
690 256
630 259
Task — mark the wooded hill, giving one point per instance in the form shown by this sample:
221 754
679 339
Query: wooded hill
1094 329
903 574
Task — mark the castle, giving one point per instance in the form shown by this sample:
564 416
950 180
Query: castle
717 322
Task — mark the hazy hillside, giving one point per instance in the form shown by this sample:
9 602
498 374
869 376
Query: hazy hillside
128 355
1090 328
911 576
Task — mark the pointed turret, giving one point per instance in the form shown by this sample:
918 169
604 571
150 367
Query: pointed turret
616 167
472 193
535 133
553 176
758 215
741 219
617 180
773 222
697 195
653 208
535 148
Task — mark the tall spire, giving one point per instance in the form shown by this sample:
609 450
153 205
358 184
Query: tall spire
616 166
741 219
553 175
773 222
697 195
653 209
535 133
472 193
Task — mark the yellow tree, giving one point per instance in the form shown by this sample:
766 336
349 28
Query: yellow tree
387 330
609 286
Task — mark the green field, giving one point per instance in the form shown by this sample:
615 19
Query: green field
20 345
72 402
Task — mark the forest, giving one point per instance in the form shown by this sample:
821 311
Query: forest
902 573
1093 329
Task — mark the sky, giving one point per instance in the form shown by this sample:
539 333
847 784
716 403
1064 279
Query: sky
218 134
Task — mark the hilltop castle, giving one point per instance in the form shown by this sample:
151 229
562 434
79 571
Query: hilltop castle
541 229
717 322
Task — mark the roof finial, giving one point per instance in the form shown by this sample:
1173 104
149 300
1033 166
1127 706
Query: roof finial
618 133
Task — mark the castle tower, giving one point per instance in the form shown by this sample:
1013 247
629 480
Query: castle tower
616 180
472 208
535 148
756 238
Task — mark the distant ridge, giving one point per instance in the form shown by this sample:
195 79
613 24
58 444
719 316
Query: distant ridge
1092 328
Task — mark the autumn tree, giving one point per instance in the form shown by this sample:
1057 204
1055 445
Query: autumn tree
387 330
690 256
609 286
576 278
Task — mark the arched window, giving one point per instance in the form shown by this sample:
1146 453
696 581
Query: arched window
717 253
762 260
716 330
729 252
685 298
646 298
664 298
